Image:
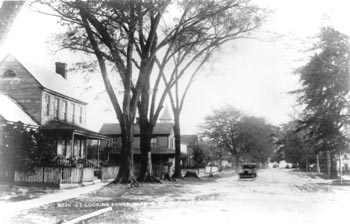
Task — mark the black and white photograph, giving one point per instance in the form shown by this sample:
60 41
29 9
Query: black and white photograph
174 111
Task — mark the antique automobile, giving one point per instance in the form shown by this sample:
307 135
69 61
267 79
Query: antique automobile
248 171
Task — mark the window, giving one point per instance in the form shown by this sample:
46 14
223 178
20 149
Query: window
153 142
172 143
9 73
114 143
47 104
62 147
64 111
82 149
73 112
80 114
56 106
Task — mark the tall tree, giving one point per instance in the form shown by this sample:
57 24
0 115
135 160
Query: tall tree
256 137
210 24
128 36
221 128
198 30
122 35
325 94
245 137
293 145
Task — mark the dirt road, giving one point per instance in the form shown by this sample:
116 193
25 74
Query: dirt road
276 195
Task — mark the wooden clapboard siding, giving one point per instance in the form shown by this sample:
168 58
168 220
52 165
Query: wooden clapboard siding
23 88
45 118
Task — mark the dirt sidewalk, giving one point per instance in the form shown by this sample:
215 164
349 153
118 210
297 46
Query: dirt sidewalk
10 209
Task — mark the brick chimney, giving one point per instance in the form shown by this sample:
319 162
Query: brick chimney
61 68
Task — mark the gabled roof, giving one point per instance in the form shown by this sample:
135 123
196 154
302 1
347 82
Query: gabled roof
166 115
60 126
114 129
50 80
13 112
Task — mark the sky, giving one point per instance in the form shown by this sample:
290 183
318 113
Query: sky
254 76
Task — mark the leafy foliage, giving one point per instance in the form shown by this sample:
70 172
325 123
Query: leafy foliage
243 136
24 149
293 146
200 157
324 92
131 36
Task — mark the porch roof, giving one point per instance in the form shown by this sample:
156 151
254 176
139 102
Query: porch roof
12 112
67 128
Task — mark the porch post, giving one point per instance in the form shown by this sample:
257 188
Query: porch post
98 152
73 144
85 149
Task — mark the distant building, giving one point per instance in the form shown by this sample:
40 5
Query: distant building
162 143
42 98
191 141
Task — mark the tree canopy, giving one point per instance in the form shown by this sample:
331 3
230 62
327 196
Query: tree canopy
325 95
129 37
324 92
24 149
245 137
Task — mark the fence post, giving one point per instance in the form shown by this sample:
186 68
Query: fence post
43 176
82 175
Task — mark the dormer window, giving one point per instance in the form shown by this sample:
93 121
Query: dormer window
9 73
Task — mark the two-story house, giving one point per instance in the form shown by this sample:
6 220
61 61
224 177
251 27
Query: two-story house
162 143
50 101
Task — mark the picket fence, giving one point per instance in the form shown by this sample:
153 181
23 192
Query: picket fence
109 172
55 175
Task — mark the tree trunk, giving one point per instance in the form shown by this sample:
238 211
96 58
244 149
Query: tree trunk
126 169
340 169
334 171
328 155
307 168
146 172
318 163
177 173
237 163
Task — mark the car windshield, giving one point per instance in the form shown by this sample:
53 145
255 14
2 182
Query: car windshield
248 166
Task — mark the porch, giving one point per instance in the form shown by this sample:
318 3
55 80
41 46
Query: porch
71 143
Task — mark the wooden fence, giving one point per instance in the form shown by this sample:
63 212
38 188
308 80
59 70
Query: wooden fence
55 175
159 169
109 172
